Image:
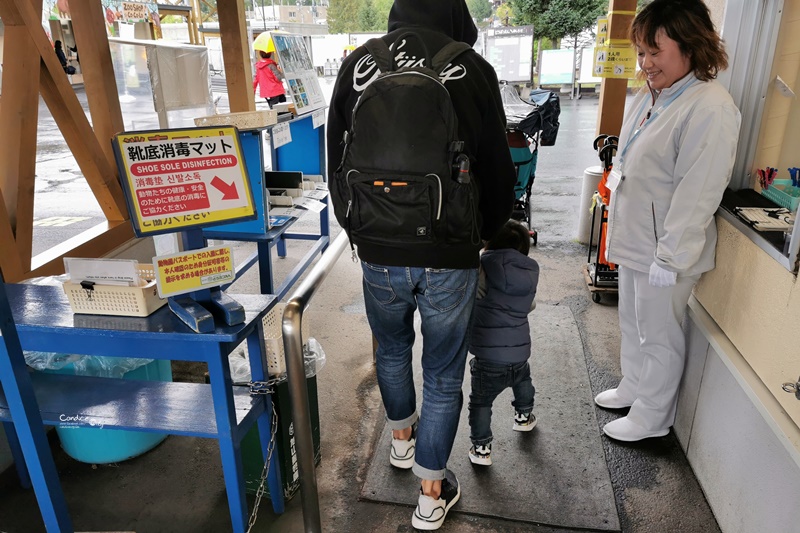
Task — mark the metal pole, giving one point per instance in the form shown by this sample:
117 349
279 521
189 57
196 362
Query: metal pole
296 373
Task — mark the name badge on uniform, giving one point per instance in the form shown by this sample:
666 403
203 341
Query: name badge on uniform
614 179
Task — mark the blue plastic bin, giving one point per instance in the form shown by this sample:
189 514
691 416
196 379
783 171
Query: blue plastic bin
100 446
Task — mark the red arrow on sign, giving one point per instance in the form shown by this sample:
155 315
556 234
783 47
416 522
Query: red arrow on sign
229 192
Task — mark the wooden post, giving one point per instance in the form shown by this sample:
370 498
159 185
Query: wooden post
613 91
19 117
98 73
236 55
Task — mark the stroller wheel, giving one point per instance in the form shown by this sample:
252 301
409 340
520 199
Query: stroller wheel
534 237
596 297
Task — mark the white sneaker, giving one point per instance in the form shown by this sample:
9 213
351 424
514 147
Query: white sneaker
481 455
402 453
524 421
430 514
626 430
610 399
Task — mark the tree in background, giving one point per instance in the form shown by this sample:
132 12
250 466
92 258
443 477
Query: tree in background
479 9
558 19
367 17
343 16
382 8
505 14
349 16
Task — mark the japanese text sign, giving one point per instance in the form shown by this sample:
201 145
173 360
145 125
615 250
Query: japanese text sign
614 62
193 270
180 179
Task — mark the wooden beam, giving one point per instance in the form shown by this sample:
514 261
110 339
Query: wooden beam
98 73
613 91
236 55
10 263
18 128
69 115
98 241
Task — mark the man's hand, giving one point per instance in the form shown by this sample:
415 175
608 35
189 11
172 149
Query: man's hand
660 277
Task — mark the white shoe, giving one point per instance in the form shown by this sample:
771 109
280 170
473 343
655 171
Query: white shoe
611 400
402 453
430 514
626 430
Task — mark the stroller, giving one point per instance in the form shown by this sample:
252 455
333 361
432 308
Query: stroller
527 126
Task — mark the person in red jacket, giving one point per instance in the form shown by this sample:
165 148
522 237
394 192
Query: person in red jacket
268 78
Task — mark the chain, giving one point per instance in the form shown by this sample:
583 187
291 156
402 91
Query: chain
270 449
262 387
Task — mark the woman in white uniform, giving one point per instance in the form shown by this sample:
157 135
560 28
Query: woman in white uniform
677 148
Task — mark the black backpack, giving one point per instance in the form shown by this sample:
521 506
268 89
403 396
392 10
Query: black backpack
404 179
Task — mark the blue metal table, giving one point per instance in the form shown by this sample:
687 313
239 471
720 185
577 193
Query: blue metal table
45 322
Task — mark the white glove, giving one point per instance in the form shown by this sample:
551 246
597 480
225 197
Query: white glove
660 277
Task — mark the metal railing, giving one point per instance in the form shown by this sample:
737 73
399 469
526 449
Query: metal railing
296 374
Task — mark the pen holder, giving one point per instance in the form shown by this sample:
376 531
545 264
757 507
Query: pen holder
783 193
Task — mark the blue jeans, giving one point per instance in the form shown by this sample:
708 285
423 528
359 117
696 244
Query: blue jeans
444 298
488 381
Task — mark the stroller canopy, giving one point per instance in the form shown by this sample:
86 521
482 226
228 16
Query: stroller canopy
541 115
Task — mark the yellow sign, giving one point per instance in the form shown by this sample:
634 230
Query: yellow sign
180 179
193 270
614 62
602 31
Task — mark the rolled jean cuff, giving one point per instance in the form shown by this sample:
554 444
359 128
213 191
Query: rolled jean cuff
403 424
423 473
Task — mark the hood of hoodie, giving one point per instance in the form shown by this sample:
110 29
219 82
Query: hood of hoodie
510 272
450 17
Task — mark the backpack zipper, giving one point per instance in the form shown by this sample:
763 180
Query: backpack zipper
439 196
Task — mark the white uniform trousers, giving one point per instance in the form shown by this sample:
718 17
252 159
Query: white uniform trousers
653 346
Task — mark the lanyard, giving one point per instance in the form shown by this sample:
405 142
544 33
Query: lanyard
652 118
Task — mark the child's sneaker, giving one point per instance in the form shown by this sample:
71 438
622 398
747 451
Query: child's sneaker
481 455
524 421
402 452
430 514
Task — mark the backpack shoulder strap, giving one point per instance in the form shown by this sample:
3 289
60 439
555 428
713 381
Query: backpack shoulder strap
380 53
447 54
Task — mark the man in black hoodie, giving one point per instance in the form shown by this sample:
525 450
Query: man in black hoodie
440 280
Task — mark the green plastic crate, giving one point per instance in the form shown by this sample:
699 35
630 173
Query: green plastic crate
783 193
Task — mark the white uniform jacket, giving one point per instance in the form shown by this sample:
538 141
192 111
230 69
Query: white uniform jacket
674 174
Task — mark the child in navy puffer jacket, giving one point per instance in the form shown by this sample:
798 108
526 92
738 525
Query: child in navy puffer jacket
500 338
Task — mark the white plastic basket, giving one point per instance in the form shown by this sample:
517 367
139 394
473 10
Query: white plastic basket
116 300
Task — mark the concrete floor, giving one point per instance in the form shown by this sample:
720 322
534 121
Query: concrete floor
178 486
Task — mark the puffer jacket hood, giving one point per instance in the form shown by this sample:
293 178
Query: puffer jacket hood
450 17
508 272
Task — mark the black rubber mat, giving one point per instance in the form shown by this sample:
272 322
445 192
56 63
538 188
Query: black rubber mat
554 475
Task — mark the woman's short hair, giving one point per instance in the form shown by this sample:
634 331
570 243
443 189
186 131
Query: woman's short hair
687 22
512 235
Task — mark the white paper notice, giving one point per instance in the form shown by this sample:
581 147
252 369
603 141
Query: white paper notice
318 118
311 204
281 134
286 211
103 271
317 194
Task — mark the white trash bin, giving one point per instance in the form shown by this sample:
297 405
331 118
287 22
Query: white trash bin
591 179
